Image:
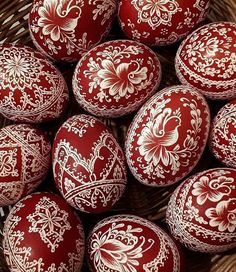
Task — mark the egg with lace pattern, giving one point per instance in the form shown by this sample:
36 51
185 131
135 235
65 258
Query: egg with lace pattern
159 23
25 159
206 60
88 164
222 135
167 136
202 210
32 89
131 243
43 233
65 30
116 77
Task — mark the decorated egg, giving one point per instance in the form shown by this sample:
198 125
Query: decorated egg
202 210
65 30
160 22
88 164
167 136
32 90
25 156
116 77
206 60
43 233
131 243
222 135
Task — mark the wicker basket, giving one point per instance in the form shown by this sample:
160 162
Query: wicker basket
138 199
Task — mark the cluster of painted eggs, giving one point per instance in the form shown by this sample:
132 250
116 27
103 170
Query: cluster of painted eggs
168 134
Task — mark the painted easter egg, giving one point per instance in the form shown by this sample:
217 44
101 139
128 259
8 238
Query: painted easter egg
167 136
116 78
88 164
206 60
25 156
32 89
65 30
43 233
131 243
160 22
202 210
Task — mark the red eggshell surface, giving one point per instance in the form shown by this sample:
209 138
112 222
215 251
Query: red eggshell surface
88 164
222 135
206 60
201 212
32 90
65 30
160 22
130 243
116 77
25 156
43 233
167 136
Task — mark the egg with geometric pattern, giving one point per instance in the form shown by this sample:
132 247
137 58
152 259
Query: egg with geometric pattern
88 164
25 156
38 232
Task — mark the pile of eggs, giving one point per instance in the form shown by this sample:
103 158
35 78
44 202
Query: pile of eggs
171 128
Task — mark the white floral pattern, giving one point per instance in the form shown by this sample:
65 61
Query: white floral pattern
58 19
223 216
156 12
125 242
201 213
213 189
119 76
55 26
151 21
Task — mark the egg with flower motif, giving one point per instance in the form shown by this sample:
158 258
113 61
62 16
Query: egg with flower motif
65 30
222 140
32 89
88 164
131 243
206 60
25 156
160 22
43 233
167 136
202 210
116 77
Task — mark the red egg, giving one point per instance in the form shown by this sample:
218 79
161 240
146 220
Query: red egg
222 135
160 22
167 136
131 243
25 156
65 30
206 60
201 212
88 164
116 77
43 233
32 90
